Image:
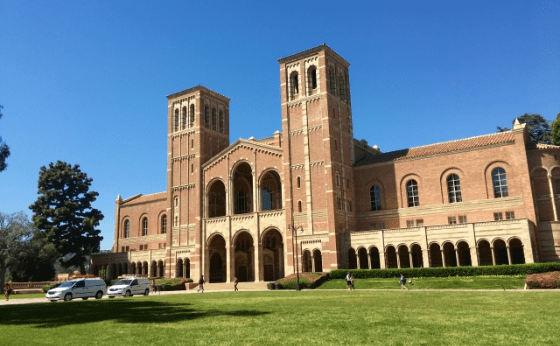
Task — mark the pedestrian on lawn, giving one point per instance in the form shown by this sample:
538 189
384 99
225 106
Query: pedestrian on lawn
348 280
7 291
201 284
235 282
352 282
402 281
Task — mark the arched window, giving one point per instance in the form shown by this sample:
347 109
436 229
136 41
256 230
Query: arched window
127 229
176 124
412 193
342 88
206 116
298 182
375 197
164 224
312 77
191 115
454 188
266 200
299 206
294 85
241 202
214 120
184 118
499 181
176 201
221 122
145 226
332 82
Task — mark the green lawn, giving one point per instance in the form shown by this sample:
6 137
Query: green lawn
290 317
468 282
25 296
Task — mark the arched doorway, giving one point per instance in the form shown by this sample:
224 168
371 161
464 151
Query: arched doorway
113 271
243 189
273 255
516 251
391 257
217 199
306 265
317 260
161 265
133 268
403 256
374 258
449 255
179 268
153 271
416 254
120 269
484 253
187 270
464 253
500 252
435 255
271 191
217 256
244 251
125 268
362 255
352 261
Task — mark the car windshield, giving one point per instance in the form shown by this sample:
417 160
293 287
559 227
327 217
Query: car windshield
67 284
123 282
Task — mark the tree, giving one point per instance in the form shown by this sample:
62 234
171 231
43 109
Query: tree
15 231
555 133
539 128
64 214
4 149
34 261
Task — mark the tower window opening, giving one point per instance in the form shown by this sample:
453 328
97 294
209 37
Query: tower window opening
191 115
332 82
312 77
176 120
221 123
214 120
206 116
294 85
184 118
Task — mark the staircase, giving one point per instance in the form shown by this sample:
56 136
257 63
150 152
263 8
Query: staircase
242 286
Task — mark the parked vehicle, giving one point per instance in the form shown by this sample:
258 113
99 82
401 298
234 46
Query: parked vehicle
79 288
129 286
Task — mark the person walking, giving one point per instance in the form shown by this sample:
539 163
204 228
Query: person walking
235 282
352 282
348 280
402 281
201 284
154 286
7 291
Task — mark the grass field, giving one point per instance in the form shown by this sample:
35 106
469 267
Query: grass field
289 317
467 282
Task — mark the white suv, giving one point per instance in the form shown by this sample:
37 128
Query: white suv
79 288
129 286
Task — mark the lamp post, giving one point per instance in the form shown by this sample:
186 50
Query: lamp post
294 230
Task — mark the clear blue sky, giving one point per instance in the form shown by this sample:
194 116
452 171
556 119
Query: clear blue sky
85 81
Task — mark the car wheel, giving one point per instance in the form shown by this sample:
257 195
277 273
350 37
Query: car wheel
85 298
146 292
99 295
127 294
68 297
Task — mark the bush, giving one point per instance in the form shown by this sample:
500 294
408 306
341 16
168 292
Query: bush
515 269
46 288
543 280
306 280
175 284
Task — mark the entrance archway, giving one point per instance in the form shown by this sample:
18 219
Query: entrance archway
273 255
318 261
306 264
416 254
435 255
484 253
391 257
243 189
449 255
352 261
403 256
271 191
217 199
217 255
464 253
516 251
374 257
244 251
362 255
500 252
179 268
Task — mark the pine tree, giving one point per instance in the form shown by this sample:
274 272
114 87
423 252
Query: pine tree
64 214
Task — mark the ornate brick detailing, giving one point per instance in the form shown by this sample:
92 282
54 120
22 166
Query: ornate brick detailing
184 187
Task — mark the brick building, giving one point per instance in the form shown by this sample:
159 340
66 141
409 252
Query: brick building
230 210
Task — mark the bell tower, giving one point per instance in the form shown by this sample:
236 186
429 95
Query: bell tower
317 123
198 129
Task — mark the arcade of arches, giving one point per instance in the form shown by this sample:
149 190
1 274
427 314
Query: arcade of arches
447 254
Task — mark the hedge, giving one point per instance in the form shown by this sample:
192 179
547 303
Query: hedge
514 269
176 284
306 280
543 280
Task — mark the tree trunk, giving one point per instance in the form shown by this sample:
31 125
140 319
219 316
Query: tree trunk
3 270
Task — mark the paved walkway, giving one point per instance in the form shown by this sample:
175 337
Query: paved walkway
163 293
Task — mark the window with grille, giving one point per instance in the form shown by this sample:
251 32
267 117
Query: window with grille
499 181
410 223
498 216
420 223
412 193
452 220
127 229
454 188
164 224
375 197
463 219
510 215
145 226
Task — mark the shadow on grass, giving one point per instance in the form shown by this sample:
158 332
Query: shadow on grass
60 314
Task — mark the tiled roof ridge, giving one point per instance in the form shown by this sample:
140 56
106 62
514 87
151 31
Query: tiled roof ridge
452 141
546 146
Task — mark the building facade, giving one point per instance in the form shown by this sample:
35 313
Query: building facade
231 210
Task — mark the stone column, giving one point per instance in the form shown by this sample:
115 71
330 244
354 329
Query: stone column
457 257
552 198
443 258
493 255
312 263
398 259
369 260
410 259
509 254
230 262
261 264
426 259
382 259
